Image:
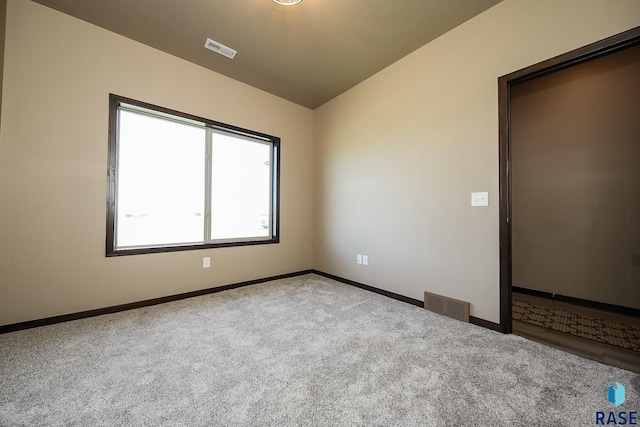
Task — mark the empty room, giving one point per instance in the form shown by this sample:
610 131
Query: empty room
282 212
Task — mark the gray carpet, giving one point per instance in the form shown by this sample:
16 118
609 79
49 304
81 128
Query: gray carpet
301 351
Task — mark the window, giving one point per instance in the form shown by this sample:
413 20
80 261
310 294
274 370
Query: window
179 182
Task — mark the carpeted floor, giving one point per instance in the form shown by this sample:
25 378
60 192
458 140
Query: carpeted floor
602 330
301 351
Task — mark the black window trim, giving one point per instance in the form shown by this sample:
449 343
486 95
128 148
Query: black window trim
111 250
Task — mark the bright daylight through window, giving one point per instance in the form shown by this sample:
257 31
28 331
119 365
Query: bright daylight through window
179 182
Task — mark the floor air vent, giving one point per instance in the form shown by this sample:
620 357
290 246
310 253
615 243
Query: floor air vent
447 306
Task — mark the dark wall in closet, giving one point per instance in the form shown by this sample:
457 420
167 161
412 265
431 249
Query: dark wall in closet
576 181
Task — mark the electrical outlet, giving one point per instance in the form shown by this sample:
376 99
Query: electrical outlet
359 259
365 259
206 262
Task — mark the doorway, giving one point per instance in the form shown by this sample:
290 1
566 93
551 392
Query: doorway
569 224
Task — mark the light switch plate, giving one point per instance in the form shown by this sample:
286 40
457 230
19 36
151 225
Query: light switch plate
480 199
206 262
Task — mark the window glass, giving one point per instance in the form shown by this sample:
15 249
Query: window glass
161 166
240 188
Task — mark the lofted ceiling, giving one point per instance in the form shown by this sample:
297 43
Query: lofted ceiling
308 53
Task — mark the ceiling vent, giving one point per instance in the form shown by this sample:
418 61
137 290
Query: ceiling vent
220 48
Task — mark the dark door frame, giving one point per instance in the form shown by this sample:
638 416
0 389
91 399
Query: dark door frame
595 50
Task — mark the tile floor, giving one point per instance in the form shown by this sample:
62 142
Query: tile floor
591 327
607 337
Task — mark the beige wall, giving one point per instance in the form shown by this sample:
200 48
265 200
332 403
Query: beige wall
575 139
3 23
53 158
397 157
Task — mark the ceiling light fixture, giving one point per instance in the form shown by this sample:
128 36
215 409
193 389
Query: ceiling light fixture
287 2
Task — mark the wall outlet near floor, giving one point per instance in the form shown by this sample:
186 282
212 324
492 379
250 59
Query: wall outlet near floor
206 262
362 259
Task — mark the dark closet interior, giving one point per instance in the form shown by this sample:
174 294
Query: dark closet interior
575 182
